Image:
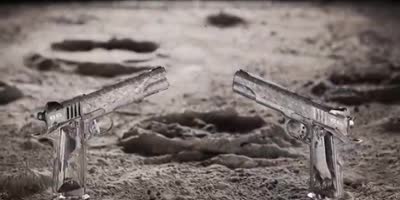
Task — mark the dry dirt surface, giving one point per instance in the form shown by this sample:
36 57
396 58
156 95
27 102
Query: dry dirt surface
198 140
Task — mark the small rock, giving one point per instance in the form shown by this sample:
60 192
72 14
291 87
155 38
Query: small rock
39 62
92 170
225 20
392 124
319 89
20 183
102 162
234 179
9 93
178 182
221 186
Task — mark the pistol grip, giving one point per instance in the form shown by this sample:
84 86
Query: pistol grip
70 161
326 177
92 128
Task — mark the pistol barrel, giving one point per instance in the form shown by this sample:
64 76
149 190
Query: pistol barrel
107 99
126 92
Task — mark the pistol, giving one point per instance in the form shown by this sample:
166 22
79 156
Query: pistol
314 124
73 122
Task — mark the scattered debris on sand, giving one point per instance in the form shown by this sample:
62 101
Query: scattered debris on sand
108 70
9 93
354 96
393 125
225 20
81 19
319 88
226 120
33 127
34 138
41 63
112 44
197 136
150 143
389 124
207 153
18 183
234 161
375 77
351 74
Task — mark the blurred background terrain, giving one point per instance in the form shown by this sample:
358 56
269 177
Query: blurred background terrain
198 140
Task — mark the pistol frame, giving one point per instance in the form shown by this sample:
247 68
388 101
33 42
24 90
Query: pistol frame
73 122
320 125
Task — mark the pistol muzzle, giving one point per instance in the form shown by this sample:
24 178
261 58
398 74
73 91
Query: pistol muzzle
241 82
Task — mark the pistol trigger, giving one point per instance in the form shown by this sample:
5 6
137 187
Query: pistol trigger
94 128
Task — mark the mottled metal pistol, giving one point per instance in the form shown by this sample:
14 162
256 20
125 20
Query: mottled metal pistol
315 124
73 122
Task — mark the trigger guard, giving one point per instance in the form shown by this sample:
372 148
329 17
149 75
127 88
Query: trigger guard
302 133
94 128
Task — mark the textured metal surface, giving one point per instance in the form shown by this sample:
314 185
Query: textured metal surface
291 104
326 174
70 162
321 125
123 93
107 99
75 121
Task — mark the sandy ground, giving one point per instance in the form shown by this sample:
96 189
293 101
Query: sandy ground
198 140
